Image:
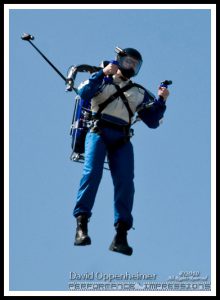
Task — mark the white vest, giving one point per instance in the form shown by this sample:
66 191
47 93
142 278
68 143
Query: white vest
117 108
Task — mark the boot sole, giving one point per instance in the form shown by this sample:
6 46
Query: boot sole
115 249
85 242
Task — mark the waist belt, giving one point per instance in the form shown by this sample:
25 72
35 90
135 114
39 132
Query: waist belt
103 123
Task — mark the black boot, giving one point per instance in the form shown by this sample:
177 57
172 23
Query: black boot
119 243
82 238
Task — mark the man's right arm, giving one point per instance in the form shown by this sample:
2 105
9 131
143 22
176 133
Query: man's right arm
90 87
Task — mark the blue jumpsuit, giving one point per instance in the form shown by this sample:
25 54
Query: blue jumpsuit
109 141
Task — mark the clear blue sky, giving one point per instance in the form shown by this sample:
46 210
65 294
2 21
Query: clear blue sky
172 206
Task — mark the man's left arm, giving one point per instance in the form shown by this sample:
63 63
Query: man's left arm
153 112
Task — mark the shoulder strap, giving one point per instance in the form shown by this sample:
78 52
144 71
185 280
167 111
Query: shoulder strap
125 101
149 94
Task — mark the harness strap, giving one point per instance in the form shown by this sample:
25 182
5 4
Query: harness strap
125 101
118 93
102 106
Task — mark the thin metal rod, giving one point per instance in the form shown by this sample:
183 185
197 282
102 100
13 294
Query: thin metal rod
49 62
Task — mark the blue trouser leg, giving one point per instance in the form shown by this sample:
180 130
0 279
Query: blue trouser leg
95 152
121 162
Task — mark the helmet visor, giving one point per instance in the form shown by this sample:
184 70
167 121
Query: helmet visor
130 63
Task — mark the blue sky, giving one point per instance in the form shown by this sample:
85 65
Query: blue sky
172 206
